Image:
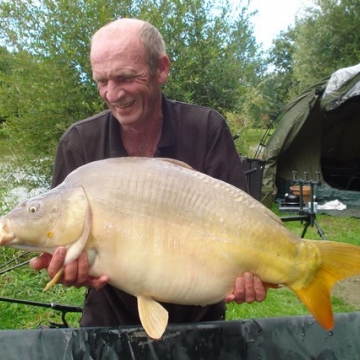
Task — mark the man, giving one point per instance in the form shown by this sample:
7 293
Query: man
130 65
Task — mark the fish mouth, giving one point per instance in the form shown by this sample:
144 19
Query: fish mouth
6 235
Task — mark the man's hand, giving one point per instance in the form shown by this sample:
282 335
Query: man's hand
248 288
75 274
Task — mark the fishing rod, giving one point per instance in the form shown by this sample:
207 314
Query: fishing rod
54 306
14 267
13 260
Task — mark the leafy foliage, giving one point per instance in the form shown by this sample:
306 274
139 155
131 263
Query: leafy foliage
215 61
281 84
327 39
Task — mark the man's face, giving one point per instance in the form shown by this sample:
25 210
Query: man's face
123 79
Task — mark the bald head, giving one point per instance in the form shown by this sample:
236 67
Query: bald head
122 29
118 28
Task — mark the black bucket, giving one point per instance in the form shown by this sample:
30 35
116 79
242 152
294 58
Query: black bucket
254 169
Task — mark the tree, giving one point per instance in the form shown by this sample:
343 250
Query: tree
324 38
281 84
214 55
5 71
215 60
327 38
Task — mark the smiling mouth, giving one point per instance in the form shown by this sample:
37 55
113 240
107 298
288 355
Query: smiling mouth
125 105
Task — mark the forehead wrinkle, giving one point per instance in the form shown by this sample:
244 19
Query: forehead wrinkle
113 57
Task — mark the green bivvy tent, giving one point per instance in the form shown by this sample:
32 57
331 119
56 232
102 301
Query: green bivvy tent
319 131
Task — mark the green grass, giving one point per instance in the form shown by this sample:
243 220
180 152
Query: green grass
278 303
4 150
27 284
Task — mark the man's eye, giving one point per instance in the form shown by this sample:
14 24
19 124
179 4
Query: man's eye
125 79
101 82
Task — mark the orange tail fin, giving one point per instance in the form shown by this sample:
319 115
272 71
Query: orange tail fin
338 261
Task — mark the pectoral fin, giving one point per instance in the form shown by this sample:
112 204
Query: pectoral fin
153 316
54 280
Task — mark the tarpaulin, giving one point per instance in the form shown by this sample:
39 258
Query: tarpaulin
317 134
274 338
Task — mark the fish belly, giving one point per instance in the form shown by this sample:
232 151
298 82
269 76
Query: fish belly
179 236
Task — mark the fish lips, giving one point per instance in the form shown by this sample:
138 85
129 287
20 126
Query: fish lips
6 235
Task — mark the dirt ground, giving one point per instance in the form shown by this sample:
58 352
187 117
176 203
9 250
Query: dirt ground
348 290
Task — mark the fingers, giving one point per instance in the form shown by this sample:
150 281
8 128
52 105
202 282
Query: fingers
248 288
80 271
40 262
252 289
98 283
75 274
229 298
57 261
260 290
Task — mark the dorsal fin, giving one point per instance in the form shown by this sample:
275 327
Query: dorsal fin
177 162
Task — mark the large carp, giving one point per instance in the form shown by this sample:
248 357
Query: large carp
164 232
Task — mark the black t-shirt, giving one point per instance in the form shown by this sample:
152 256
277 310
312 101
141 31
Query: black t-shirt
198 136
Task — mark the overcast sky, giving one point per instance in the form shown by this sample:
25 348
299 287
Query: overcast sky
273 16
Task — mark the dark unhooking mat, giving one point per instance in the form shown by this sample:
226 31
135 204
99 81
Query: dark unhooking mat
274 339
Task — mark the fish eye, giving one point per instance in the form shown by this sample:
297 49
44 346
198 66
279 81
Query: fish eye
33 208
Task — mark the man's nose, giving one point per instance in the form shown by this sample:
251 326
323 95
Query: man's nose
114 91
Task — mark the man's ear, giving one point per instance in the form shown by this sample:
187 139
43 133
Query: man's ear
163 69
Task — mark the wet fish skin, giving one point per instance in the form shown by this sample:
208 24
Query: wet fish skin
164 232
